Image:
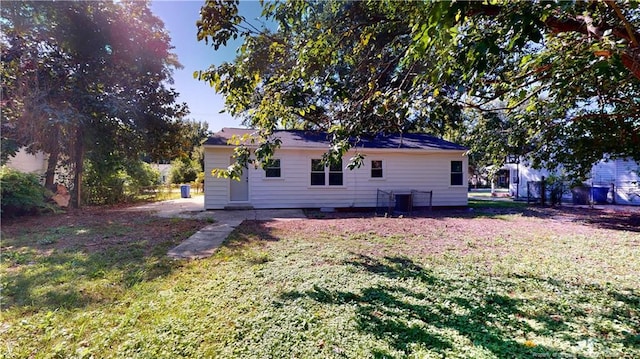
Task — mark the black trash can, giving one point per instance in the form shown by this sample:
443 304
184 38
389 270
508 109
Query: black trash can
581 195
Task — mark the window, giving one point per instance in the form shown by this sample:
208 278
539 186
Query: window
376 169
272 169
335 174
319 173
456 173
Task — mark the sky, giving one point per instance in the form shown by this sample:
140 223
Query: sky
180 18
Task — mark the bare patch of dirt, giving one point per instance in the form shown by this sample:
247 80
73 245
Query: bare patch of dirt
626 220
620 219
465 231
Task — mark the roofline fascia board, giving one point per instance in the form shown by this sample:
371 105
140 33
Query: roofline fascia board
395 150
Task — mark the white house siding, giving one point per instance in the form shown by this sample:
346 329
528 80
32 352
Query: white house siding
165 170
524 174
216 190
627 182
402 171
603 173
622 173
25 162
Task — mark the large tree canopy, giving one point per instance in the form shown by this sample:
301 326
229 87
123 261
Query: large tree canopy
564 78
88 80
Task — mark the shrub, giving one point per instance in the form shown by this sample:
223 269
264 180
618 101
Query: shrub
184 171
139 175
22 193
103 184
557 187
111 183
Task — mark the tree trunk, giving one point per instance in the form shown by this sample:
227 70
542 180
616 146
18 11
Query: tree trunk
79 168
52 163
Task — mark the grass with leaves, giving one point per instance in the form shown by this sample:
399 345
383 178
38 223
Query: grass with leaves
542 284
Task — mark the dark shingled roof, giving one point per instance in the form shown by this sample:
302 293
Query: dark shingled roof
320 140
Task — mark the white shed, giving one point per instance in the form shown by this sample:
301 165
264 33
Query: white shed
297 179
624 177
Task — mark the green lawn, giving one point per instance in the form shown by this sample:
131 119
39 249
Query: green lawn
533 284
165 194
491 204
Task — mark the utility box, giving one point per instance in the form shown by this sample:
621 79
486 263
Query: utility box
403 203
581 194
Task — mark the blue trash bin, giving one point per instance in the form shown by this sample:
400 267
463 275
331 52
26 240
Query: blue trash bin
185 191
600 194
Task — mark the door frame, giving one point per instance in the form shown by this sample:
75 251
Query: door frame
244 178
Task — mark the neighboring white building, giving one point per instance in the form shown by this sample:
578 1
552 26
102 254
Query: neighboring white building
164 169
621 175
28 163
296 178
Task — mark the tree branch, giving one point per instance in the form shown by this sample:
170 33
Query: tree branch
504 108
599 115
627 25
630 57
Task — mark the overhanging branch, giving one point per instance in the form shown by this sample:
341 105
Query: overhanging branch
630 57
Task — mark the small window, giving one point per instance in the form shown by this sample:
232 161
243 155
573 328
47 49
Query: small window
320 176
335 174
456 173
317 173
272 169
376 169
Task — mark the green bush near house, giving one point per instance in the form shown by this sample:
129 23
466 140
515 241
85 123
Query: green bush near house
184 171
22 193
111 183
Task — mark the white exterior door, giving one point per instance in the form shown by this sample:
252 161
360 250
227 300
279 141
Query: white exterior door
240 190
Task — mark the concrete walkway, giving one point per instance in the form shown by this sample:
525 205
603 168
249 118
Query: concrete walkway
206 241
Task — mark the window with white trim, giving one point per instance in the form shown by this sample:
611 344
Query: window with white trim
456 173
321 174
376 169
317 173
335 174
272 169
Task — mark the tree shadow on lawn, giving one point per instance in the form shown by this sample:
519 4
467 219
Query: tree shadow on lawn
607 218
599 218
253 231
73 280
99 265
480 310
249 234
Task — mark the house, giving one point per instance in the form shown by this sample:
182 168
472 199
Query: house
296 178
620 176
29 163
165 171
